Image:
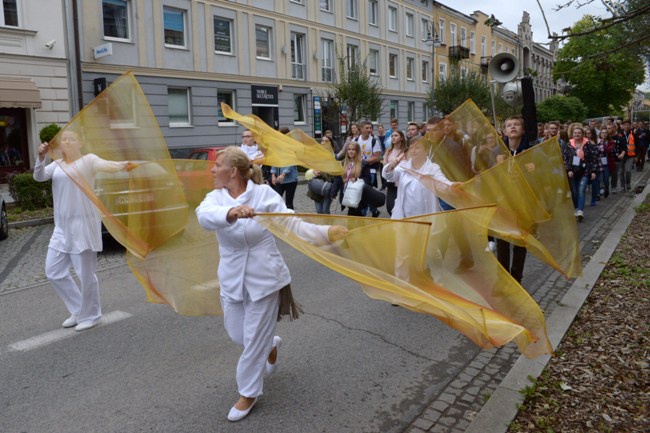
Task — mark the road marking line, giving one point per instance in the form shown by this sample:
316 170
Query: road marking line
61 334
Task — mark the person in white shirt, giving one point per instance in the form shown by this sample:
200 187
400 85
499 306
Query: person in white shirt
252 274
248 145
77 233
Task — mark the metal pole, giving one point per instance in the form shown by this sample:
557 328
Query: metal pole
494 111
433 76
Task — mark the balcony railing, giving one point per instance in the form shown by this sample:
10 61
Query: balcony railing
458 52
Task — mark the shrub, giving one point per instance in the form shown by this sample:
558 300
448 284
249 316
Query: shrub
28 193
48 132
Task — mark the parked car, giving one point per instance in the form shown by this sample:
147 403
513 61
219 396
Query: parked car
4 223
148 196
194 173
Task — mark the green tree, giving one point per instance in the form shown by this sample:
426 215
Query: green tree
602 83
562 108
356 90
451 92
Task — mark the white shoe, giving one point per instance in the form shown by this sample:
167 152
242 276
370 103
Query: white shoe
491 247
575 213
580 215
236 414
87 324
70 322
277 342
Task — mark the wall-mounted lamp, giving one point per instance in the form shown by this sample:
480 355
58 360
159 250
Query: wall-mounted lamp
50 44
315 55
283 50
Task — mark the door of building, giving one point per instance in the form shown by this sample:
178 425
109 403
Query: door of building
14 151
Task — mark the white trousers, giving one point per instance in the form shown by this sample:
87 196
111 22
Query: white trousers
83 303
251 325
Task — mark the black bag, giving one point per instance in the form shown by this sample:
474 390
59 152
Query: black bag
319 187
373 197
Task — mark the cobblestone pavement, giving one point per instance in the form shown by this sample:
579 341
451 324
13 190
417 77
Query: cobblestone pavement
22 259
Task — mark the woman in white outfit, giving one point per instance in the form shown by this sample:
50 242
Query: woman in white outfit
77 233
251 270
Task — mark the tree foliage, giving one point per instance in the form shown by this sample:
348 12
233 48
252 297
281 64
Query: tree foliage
562 108
451 92
356 90
602 83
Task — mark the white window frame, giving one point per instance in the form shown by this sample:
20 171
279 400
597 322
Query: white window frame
453 28
373 61
442 71
127 16
302 111
326 5
393 64
327 60
183 13
425 71
231 29
128 122
352 55
298 52
410 68
300 2
500 49
426 25
394 108
269 41
442 31
472 42
483 46
392 19
373 12
409 24
494 48
352 9
463 37
3 18
233 105
176 124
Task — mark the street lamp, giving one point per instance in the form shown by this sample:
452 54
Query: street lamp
432 40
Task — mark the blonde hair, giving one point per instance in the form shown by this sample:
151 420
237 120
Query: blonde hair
357 159
237 158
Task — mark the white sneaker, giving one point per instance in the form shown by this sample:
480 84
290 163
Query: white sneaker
70 322
87 324
491 247
580 215
575 213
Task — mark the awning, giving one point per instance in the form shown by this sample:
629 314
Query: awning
19 92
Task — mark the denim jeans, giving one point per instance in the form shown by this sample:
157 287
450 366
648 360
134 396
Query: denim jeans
323 206
578 189
625 172
595 188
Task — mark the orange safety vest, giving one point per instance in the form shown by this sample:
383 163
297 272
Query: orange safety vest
630 144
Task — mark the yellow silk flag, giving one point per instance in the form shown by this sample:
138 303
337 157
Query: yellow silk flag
281 150
411 263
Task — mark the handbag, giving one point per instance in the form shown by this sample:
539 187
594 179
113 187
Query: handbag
319 186
352 194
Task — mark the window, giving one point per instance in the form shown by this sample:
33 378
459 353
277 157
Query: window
327 62
9 13
228 97
373 12
494 48
174 27
353 55
326 5
442 71
483 46
411 111
351 9
463 37
116 18
500 48
425 71
392 18
297 56
373 62
452 34
393 109
443 31
262 42
409 24
179 107
223 35
472 42
410 68
122 113
300 2
425 112
392 65
299 109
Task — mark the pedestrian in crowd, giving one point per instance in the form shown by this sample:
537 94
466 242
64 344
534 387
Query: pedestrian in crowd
353 135
516 141
412 131
541 131
607 159
353 169
285 182
394 126
254 280
370 156
581 163
381 135
323 202
619 147
590 135
395 153
642 134
248 145
77 233
626 158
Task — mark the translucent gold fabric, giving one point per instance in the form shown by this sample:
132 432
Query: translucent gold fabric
433 264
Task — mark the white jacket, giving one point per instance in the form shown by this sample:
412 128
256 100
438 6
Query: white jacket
249 258
413 198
